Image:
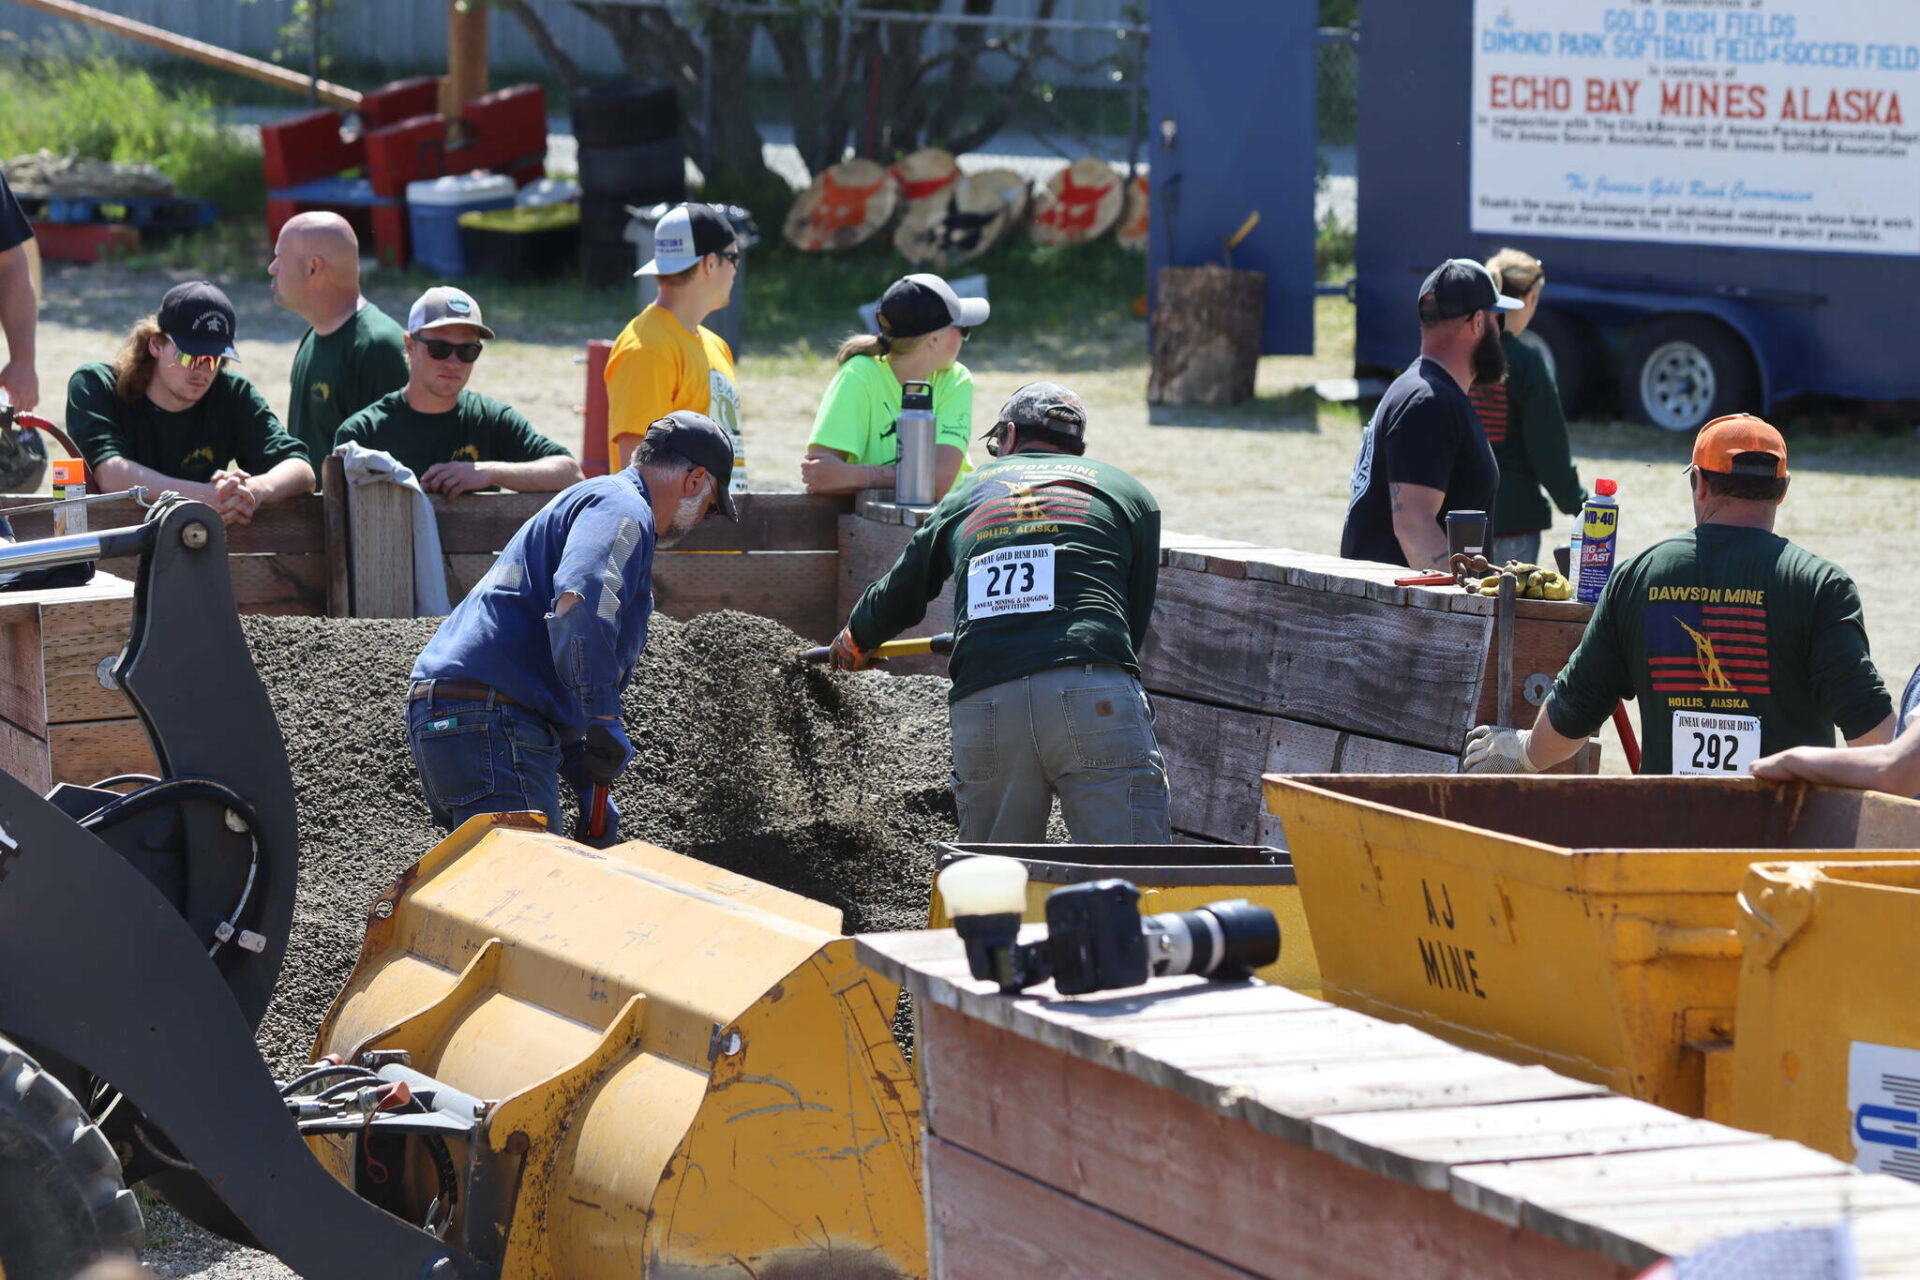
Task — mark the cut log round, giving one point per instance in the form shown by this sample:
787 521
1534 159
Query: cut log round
1132 231
1206 335
925 175
1012 188
844 207
964 223
1078 204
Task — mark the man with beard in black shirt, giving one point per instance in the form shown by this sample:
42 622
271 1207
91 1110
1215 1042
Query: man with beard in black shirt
1424 453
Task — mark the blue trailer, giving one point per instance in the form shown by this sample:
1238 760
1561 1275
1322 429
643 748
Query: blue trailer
1725 196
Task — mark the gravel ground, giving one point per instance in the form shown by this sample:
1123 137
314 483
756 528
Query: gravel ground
830 785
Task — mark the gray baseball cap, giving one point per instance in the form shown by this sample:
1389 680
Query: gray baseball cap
442 307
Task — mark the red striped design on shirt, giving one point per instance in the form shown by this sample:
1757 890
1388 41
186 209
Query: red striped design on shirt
1495 410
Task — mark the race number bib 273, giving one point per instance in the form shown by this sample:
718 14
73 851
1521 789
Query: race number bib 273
1010 580
1714 744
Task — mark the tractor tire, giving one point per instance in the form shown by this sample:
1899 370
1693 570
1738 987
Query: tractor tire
1681 372
62 1201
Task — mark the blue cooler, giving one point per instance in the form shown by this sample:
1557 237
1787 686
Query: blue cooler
433 215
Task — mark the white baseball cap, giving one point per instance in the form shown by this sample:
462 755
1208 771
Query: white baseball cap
685 234
442 307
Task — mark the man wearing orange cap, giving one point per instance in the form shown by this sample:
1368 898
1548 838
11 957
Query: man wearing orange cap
1737 643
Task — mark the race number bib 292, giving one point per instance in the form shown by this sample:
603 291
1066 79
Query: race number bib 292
1714 744
1010 580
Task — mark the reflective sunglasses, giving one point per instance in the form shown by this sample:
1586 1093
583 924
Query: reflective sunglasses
438 350
731 255
965 331
202 364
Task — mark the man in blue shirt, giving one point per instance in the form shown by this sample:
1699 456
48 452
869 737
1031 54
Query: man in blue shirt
521 685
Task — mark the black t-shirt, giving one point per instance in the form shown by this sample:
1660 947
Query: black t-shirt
14 228
1424 432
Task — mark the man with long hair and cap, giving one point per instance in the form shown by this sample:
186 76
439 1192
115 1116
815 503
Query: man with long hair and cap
169 413
1055 560
1737 643
520 687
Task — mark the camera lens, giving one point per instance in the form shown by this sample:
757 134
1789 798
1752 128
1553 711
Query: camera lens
1224 940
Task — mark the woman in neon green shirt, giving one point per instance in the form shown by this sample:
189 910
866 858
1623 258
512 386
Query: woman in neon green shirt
855 442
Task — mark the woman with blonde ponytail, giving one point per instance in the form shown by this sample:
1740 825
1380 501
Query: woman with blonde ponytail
855 442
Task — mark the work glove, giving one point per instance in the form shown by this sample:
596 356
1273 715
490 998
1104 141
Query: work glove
847 655
606 750
573 770
1493 750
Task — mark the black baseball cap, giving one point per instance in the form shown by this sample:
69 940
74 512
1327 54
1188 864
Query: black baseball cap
198 319
1046 405
701 441
1459 287
922 303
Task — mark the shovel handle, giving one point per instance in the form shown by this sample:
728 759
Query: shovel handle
597 815
942 643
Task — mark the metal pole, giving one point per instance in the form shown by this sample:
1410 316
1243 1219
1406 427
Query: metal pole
706 100
313 52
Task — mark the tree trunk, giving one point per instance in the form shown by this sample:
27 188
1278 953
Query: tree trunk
1206 335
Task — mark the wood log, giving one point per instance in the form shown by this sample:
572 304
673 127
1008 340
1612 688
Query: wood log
1206 335
380 540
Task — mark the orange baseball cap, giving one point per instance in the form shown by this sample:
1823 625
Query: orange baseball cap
1725 445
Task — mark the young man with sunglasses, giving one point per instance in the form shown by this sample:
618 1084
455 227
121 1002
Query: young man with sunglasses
1424 453
454 440
666 358
1736 643
1055 560
520 687
169 414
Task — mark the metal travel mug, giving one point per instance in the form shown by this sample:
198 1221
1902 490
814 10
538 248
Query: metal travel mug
1466 533
913 479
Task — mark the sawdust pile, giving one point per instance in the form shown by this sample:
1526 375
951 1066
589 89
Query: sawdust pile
828 785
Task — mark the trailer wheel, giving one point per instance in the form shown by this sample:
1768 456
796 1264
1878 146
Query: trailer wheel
1573 356
1684 371
62 1201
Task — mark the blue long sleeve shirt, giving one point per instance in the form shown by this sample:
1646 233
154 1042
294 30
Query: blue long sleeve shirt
594 540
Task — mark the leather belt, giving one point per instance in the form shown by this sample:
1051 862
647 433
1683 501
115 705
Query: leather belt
458 690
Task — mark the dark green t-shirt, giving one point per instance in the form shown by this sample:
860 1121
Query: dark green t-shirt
476 429
1055 561
1524 424
1735 638
337 375
231 423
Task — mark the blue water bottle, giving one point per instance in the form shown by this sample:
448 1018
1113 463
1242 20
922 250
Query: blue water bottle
1599 527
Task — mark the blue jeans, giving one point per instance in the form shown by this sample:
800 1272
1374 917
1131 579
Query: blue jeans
1083 733
484 757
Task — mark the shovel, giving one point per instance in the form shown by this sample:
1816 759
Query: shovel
942 643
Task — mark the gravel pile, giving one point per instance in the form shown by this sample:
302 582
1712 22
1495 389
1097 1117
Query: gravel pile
829 785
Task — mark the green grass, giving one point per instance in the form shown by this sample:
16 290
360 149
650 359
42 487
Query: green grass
76 100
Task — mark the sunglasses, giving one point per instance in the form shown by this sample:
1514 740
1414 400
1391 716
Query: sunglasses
438 350
200 364
731 255
965 332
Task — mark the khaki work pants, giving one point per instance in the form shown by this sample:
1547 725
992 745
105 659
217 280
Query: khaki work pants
1083 733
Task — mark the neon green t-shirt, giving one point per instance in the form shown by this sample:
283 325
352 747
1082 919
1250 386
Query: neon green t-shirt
859 416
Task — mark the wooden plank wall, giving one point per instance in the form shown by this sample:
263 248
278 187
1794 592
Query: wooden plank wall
58 723
1266 659
279 561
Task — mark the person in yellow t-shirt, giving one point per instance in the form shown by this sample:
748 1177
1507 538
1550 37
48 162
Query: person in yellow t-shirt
666 359
855 442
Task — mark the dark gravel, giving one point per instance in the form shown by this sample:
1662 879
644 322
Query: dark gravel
829 785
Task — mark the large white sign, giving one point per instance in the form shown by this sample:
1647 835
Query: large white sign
1782 124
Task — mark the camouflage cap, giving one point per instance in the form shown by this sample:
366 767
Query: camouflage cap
1047 405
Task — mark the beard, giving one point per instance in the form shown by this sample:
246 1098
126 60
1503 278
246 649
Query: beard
1489 359
685 519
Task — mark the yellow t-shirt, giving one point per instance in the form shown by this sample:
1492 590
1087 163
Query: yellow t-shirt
656 367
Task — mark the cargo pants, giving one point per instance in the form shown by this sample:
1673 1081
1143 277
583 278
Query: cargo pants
1082 733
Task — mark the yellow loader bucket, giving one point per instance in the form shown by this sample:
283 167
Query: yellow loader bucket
1582 923
1829 1046
1172 877
697 1077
